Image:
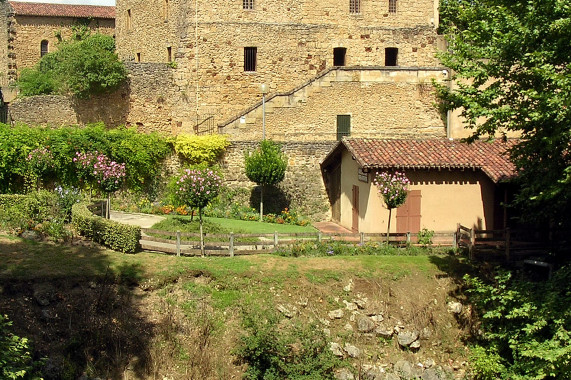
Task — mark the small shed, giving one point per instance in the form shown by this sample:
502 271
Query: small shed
451 182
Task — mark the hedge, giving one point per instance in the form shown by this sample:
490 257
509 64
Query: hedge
117 236
9 200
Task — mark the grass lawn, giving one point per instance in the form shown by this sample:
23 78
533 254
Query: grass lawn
225 226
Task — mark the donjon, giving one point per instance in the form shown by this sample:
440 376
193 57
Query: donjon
331 68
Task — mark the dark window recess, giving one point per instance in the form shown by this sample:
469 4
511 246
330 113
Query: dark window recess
250 54
392 6
339 56
169 54
138 59
343 126
391 56
44 46
354 6
248 4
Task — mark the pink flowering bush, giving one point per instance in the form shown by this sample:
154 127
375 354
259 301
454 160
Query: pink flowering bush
100 170
197 187
41 161
392 188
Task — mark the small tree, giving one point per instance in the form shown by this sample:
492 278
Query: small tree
393 189
197 188
265 166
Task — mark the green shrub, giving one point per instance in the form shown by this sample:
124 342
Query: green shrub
526 327
275 351
200 149
425 237
15 357
117 236
22 212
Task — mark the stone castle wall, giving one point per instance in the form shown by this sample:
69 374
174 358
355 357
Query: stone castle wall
295 40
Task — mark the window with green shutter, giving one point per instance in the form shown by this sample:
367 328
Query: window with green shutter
343 126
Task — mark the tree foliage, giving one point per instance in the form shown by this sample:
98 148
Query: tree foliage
267 164
15 357
511 63
200 149
83 66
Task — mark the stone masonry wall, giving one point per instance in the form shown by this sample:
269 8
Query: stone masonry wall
303 185
295 40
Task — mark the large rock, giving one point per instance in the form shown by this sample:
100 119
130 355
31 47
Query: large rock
336 349
405 338
352 351
455 307
384 331
372 372
336 314
406 370
365 324
343 374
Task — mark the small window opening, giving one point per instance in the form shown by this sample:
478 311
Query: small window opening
129 25
169 54
343 126
250 56
391 56
354 6
138 59
247 4
44 48
392 6
339 56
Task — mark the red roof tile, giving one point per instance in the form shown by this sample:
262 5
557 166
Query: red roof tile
62 10
490 157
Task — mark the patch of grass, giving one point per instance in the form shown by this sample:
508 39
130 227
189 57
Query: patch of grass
322 276
248 227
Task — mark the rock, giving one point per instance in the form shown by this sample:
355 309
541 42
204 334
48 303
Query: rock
336 314
288 311
430 374
348 327
365 324
350 305
454 307
336 349
405 338
351 350
349 286
360 302
324 321
384 332
343 374
44 294
406 370
31 235
437 373
372 372
377 318
428 363
415 344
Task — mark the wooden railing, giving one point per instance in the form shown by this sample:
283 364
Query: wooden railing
231 244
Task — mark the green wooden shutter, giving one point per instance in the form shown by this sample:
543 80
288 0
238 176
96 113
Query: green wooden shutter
343 126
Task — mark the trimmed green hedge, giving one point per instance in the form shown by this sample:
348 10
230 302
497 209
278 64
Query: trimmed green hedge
117 236
9 200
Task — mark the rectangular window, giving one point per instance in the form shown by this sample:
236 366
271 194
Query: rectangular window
250 54
44 48
354 6
169 54
343 126
391 56
247 4
392 6
128 21
138 59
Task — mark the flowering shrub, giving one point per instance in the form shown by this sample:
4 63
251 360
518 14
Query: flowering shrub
41 161
98 168
197 187
392 188
66 199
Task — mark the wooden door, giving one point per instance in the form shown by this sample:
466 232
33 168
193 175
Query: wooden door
408 215
355 203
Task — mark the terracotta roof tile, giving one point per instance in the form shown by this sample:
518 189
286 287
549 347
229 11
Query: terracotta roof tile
490 157
62 10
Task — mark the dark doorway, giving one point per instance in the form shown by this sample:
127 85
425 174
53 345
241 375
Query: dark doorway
339 56
391 56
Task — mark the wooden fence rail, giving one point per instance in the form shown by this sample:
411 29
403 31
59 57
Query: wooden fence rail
231 244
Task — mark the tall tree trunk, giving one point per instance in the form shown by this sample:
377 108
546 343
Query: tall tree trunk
261 203
389 225
201 234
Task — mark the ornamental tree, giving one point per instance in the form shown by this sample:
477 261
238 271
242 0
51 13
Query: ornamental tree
41 164
265 166
511 66
392 188
196 188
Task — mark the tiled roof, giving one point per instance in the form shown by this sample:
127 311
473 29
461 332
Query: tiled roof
62 10
490 157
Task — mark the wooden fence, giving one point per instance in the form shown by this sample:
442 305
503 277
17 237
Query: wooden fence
184 243
491 242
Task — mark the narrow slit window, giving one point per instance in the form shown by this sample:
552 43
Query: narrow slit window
128 21
250 57
354 6
138 59
391 56
44 48
169 54
247 4
392 6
